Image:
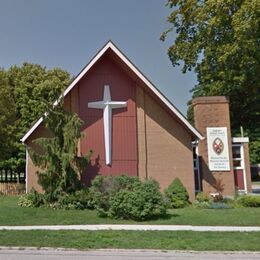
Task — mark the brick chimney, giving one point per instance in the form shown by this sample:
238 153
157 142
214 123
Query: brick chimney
213 112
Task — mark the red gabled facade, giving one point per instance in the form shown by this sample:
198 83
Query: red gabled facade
150 137
124 140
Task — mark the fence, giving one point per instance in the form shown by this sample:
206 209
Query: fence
11 183
11 188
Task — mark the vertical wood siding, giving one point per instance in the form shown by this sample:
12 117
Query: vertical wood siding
124 143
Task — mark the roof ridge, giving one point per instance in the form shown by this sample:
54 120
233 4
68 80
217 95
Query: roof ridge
147 82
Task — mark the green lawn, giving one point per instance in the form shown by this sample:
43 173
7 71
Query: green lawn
179 240
12 214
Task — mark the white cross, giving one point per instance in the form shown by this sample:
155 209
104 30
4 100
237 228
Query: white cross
107 105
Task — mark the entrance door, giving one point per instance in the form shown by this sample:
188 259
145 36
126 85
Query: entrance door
239 167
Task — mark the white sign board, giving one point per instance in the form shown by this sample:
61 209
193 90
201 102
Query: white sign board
218 156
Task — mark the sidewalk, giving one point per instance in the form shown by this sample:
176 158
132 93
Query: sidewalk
137 227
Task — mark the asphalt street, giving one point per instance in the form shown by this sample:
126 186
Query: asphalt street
118 254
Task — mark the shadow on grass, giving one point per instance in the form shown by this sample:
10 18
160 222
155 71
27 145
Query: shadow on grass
163 218
167 216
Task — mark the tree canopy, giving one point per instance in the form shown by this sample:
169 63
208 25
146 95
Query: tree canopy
24 92
219 40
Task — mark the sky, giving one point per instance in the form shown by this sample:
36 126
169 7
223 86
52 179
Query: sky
68 33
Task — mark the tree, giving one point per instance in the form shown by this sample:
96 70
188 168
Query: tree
219 40
61 166
22 92
7 119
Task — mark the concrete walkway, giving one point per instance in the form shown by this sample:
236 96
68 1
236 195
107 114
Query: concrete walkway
137 227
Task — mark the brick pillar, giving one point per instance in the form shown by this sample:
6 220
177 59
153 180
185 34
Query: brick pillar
213 112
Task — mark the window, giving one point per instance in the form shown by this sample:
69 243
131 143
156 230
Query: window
237 158
195 157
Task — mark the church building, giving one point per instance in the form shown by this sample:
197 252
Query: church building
134 129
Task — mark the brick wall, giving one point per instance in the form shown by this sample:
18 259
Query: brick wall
213 112
164 146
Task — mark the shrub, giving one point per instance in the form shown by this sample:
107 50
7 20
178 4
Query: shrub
104 188
177 194
201 205
249 201
32 199
219 205
127 197
211 205
77 200
203 197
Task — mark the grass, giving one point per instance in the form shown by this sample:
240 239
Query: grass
179 240
12 214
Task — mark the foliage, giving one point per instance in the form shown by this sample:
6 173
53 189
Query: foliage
104 188
205 202
14 215
24 92
58 155
203 197
7 119
220 41
249 201
201 204
177 194
127 197
77 200
33 199
219 205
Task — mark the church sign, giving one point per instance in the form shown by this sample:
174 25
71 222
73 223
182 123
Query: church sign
218 157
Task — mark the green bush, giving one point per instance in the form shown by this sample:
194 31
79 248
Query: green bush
127 197
219 205
77 200
249 201
104 188
201 204
33 199
177 194
211 205
203 197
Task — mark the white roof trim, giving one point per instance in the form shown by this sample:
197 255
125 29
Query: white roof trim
137 72
32 130
240 140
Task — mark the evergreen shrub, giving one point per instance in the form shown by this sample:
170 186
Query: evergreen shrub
177 194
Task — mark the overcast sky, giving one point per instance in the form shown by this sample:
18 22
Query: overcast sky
68 33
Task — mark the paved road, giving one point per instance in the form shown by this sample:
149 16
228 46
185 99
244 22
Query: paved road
115 254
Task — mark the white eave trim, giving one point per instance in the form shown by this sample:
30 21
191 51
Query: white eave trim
137 72
240 140
32 130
